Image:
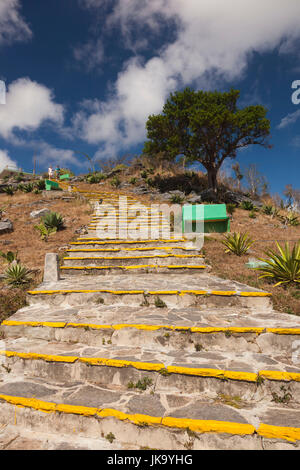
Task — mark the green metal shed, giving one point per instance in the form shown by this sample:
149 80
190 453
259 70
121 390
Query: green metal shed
205 218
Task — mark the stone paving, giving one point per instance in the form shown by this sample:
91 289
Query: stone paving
142 357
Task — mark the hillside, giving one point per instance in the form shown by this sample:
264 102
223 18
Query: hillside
134 181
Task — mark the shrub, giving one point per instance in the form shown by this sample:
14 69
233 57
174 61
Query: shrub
149 181
283 266
290 219
132 180
230 208
27 188
95 178
44 231
177 199
17 275
53 220
115 182
247 206
40 185
238 243
252 215
144 174
267 209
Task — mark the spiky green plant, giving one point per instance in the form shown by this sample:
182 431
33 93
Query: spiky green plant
247 205
283 266
28 188
230 208
9 190
237 243
115 182
267 209
252 214
17 275
132 180
176 199
40 185
45 232
53 220
290 219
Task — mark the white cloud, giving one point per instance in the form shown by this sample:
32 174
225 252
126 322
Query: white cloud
28 105
289 119
12 26
5 160
213 38
91 54
46 154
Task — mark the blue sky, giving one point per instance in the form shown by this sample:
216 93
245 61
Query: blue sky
84 75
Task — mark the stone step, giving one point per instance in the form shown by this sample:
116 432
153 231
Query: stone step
248 374
147 419
152 250
134 260
118 244
199 290
75 326
135 269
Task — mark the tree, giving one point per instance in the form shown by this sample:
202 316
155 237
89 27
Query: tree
256 181
238 174
207 127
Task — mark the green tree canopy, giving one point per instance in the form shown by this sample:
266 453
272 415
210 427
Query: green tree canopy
205 127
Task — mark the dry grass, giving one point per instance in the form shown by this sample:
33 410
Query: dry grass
25 239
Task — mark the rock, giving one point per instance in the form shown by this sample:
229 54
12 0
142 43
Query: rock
209 195
82 230
194 199
6 226
39 213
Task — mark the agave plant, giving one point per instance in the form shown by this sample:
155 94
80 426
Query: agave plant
267 209
238 243
283 266
28 188
40 185
247 205
44 231
9 190
53 220
230 208
17 275
290 219
115 182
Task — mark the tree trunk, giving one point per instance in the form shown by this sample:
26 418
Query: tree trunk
212 178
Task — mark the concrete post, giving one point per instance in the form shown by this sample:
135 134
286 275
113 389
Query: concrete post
51 269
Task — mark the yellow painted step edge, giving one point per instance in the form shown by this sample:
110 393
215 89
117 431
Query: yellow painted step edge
141 266
192 292
158 367
202 330
199 426
131 257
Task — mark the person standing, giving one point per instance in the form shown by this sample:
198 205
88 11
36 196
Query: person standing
50 172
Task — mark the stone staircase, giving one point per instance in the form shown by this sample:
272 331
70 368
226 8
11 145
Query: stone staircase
138 346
